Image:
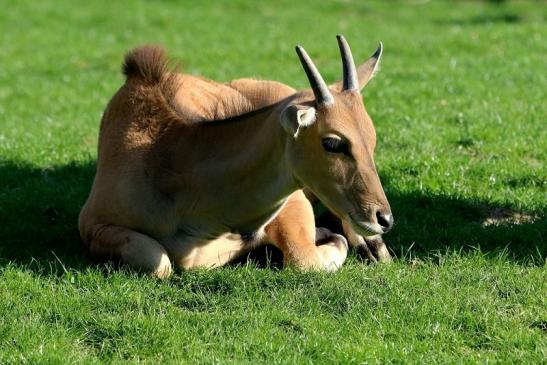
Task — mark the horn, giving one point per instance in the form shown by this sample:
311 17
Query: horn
350 80
318 85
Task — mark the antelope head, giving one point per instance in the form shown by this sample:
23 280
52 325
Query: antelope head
332 140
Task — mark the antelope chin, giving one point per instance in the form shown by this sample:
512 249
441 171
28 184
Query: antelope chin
367 229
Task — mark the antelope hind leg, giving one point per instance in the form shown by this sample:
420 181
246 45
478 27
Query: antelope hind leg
293 232
135 249
187 253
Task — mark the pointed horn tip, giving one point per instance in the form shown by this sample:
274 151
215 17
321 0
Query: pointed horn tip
379 50
341 40
381 46
300 50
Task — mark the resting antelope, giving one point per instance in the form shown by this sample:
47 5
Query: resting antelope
195 173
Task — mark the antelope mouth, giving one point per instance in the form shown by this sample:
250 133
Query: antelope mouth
365 228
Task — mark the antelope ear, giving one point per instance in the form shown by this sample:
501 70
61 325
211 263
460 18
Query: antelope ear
367 70
295 117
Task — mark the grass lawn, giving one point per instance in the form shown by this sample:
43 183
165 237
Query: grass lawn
460 111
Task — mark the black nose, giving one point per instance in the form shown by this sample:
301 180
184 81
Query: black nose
385 220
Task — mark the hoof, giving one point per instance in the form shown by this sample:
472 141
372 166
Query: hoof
374 249
333 252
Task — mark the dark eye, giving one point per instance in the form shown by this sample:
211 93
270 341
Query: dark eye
335 145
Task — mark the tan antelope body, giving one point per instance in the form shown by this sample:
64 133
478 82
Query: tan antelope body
195 172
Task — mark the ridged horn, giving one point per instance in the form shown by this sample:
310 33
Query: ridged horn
318 85
350 79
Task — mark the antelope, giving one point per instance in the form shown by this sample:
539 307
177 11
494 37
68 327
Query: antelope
196 173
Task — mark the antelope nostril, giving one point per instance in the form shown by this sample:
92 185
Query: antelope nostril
385 220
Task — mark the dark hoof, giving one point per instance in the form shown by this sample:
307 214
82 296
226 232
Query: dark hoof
374 250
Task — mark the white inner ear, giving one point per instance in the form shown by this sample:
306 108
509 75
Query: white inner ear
305 117
296 117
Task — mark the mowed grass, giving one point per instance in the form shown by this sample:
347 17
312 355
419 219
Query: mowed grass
460 113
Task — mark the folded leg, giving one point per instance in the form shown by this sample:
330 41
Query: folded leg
189 253
371 248
293 232
133 248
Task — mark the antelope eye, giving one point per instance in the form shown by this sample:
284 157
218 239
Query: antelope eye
335 145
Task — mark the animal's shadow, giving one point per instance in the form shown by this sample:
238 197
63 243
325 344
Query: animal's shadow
39 212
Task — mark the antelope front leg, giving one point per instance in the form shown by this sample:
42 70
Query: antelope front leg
332 247
372 248
293 232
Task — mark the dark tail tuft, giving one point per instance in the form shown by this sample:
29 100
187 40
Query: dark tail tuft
148 63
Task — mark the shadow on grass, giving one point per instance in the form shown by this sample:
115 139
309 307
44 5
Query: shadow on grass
39 211
483 19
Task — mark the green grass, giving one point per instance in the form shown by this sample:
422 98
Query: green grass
460 113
